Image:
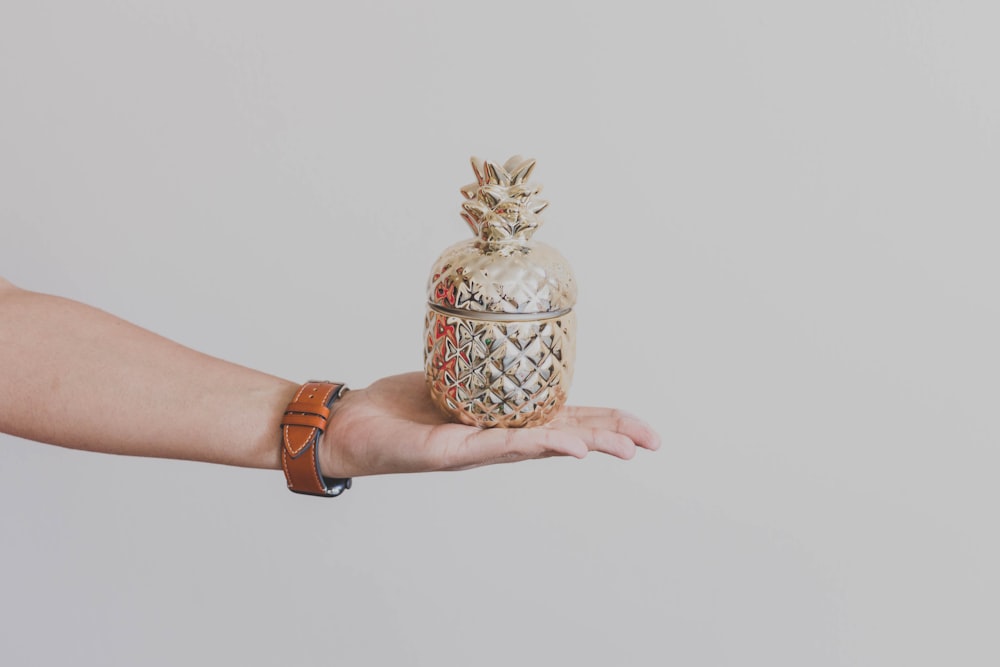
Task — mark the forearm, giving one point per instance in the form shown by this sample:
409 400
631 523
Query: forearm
75 376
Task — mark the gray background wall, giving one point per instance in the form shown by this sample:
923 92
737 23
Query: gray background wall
783 220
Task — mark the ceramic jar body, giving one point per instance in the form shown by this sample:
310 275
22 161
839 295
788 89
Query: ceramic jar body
507 360
500 331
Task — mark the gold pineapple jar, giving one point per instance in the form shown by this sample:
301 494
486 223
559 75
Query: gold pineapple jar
500 332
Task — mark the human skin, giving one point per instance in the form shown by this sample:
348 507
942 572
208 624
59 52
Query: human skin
75 376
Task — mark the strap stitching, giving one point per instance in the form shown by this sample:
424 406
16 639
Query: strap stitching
291 448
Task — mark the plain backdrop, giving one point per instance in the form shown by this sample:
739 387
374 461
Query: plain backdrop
783 220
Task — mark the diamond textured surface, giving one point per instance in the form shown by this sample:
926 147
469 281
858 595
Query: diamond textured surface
507 374
515 279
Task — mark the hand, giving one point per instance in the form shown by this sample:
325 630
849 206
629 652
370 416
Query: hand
393 427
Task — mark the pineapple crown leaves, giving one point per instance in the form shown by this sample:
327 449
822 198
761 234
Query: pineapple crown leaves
500 205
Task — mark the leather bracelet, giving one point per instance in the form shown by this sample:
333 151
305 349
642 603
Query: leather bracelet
302 426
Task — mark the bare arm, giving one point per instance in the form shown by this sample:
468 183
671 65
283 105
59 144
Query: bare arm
76 376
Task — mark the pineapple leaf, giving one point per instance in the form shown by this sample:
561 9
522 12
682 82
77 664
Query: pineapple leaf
495 174
512 163
476 209
521 171
523 192
501 205
492 195
477 167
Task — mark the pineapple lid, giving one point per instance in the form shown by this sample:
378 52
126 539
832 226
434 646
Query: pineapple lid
502 271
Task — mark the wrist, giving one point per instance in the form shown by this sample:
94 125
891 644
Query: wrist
333 462
303 425
263 406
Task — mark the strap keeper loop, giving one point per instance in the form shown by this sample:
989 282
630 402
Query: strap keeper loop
309 408
296 419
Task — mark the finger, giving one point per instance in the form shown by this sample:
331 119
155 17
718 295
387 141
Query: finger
604 440
641 433
535 442
512 457
503 444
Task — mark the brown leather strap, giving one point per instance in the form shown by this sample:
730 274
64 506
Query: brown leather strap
302 426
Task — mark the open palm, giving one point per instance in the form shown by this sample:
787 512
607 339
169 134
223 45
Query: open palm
393 426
